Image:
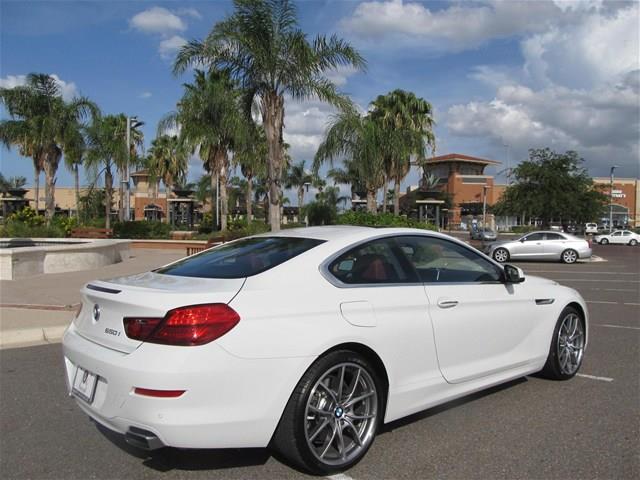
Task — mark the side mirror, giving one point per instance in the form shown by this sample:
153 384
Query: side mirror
513 274
522 240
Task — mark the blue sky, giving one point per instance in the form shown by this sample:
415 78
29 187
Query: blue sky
525 74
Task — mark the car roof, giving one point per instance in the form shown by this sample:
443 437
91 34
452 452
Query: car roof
348 233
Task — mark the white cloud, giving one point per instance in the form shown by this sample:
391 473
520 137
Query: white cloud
157 20
189 12
68 90
145 95
457 27
340 75
578 88
171 45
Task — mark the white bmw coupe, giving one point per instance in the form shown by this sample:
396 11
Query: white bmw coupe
307 340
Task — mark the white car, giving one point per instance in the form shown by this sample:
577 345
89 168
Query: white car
621 237
308 340
591 228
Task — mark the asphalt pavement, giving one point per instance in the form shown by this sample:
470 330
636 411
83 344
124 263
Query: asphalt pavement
588 427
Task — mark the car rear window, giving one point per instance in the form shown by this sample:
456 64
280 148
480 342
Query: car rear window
242 258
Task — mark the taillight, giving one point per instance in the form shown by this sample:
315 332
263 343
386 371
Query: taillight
185 326
149 392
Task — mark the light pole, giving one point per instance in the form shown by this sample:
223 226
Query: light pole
484 206
132 122
611 199
506 145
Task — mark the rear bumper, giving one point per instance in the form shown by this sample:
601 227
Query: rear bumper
229 402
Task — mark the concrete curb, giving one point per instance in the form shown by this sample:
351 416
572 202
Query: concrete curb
31 336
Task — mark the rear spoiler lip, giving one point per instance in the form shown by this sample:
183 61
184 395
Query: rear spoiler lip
97 288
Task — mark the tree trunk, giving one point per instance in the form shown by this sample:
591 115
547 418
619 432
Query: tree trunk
396 196
50 169
385 191
121 195
108 197
76 183
224 203
372 204
272 107
214 188
300 198
248 200
36 182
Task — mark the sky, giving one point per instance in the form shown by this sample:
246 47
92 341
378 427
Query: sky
502 76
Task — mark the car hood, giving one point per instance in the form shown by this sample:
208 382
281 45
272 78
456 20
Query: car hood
535 280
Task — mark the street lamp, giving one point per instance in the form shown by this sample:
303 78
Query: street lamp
132 122
484 206
611 199
506 145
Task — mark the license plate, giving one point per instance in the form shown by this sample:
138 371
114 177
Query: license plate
84 384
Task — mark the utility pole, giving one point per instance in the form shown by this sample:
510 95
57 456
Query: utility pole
126 200
611 199
508 174
484 207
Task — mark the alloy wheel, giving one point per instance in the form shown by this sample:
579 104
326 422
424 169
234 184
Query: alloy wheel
569 256
501 255
341 414
570 344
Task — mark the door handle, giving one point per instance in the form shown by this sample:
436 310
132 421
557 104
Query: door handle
447 303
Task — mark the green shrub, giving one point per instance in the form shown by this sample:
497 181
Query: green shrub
524 228
381 220
26 223
320 213
142 229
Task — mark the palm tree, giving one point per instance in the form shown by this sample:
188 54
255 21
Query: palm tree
362 141
268 54
106 151
408 123
298 178
42 124
251 156
73 157
210 123
167 160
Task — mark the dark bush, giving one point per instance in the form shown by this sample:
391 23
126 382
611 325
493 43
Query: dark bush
381 220
142 229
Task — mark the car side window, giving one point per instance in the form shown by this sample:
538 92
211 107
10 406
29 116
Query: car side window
553 236
534 237
616 234
626 234
371 263
438 260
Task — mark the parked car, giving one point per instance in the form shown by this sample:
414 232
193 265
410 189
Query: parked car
484 234
621 237
309 340
545 245
591 228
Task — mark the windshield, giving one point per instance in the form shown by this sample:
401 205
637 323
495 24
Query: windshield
242 258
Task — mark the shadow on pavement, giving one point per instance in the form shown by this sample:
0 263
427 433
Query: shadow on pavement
167 459
416 417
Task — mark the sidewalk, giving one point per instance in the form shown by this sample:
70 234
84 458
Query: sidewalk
37 310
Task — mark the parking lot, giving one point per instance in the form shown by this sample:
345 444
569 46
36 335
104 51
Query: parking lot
588 427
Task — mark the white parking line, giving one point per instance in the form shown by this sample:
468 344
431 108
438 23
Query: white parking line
592 377
594 280
580 272
339 476
617 326
631 303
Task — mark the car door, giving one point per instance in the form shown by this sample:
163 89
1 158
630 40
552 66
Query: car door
481 324
379 291
554 244
529 247
616 237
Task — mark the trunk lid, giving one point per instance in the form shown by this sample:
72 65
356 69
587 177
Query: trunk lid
105 303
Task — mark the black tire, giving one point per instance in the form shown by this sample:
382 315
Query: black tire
290 438
633 242
569 256
503 253
604 241
553 368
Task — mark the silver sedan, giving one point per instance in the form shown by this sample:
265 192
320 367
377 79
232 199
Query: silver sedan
549 246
